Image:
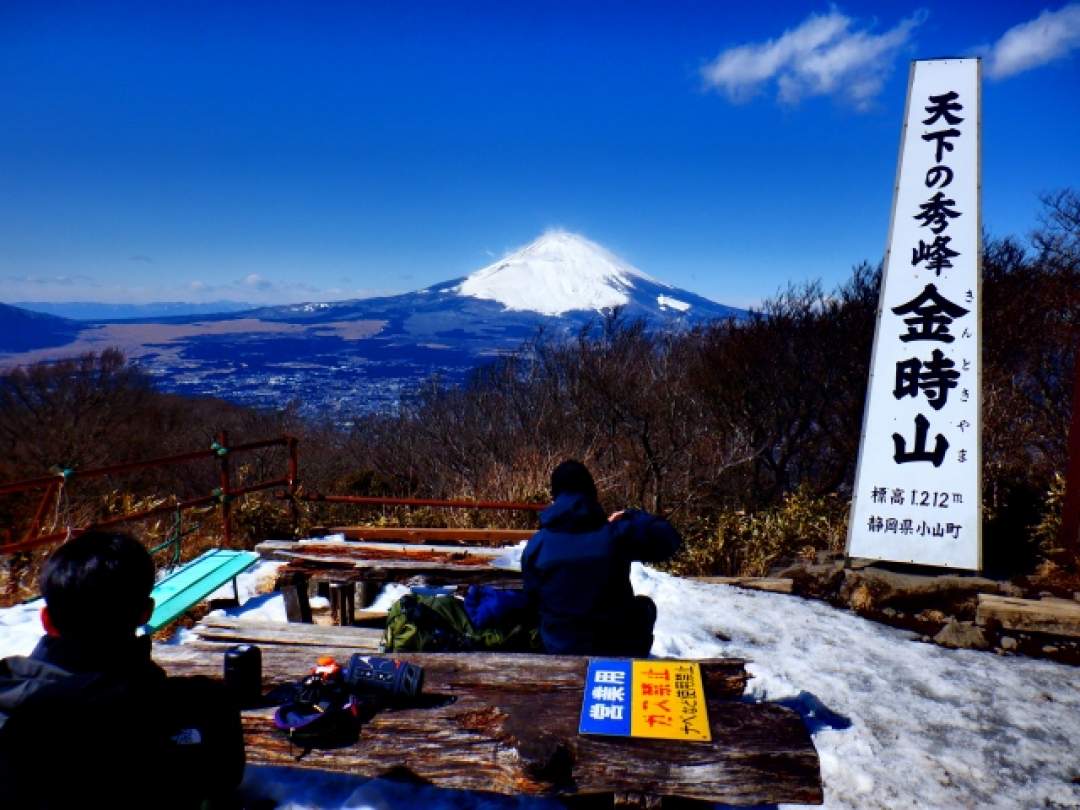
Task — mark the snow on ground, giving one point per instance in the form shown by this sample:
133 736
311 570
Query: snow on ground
897 723
20 628
666 301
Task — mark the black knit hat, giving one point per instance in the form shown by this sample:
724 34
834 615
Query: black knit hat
572 477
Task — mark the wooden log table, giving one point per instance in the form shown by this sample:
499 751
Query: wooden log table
369 566
463 537
507 723
389 564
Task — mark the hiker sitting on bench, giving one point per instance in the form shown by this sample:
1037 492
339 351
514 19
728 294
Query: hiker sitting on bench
88 718
576 570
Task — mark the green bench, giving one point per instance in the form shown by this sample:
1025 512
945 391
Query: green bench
191 583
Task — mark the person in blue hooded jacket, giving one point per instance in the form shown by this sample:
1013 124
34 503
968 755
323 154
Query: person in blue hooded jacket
576 570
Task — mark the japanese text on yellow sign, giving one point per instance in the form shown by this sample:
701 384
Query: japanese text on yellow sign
668 701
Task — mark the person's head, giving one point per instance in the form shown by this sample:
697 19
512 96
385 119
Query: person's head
97 586
572 477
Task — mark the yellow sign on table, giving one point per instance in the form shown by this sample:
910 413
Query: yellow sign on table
668 701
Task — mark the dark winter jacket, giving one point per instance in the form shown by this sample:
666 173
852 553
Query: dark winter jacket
577 571
103 725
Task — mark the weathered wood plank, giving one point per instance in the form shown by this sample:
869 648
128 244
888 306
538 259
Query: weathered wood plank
373 551
478 537
393 565
724 677
509 724
772 584
1055 616
433 574
229 630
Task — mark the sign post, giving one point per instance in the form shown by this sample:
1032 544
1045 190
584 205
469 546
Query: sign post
917 495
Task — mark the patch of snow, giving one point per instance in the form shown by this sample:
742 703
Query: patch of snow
388 595
258 602
557 273
256 580
667 302
20 628
511 558
330 538
270 607
896 722
308 307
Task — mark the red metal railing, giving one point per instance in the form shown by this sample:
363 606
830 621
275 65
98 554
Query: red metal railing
520 506
54 487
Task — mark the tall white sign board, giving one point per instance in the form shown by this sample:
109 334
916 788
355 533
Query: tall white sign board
917 487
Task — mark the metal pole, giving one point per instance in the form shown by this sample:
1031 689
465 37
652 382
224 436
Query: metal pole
294 472
1069 537
35 525
226 487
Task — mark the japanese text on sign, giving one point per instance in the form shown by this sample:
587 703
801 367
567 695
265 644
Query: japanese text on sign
920 444
659 699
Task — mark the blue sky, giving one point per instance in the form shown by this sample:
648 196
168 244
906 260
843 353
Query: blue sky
278 152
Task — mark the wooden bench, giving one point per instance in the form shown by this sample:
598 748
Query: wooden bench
193 582
228 630
507 723
340 569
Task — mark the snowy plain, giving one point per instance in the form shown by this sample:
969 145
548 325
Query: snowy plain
896 722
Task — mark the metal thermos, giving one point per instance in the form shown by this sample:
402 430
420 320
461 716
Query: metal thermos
243 673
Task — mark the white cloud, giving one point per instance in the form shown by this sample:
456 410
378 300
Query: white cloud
257 282
825 55
1052 35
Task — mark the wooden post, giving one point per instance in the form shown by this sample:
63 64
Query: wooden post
343 603
225 486
1069 538
297 606
367 591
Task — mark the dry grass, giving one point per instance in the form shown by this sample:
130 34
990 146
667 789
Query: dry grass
740 543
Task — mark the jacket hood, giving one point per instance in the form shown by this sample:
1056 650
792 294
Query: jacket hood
573 512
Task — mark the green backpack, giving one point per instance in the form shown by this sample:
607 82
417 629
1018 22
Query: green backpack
418 623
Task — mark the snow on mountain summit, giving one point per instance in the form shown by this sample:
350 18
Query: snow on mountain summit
557 273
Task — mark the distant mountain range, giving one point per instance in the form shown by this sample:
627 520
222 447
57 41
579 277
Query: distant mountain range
361 355
93 311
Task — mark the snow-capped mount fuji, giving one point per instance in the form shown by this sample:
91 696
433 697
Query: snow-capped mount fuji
561 281
348 356
563 272
557 273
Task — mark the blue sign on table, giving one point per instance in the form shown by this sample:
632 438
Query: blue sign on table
606 707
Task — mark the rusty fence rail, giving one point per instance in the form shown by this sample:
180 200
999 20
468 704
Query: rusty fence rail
54 487
365 500
57 485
